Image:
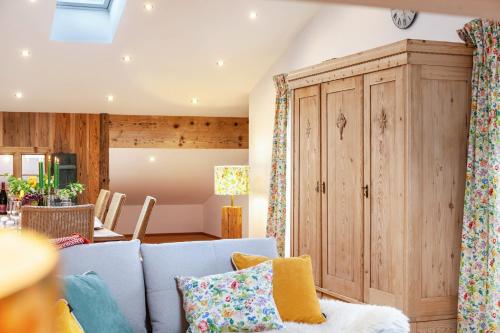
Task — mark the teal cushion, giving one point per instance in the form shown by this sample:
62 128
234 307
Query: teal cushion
93 306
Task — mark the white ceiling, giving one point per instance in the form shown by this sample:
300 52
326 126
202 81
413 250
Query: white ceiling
174 50
177 176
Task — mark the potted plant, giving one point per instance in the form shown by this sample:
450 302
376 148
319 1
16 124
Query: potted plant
70 192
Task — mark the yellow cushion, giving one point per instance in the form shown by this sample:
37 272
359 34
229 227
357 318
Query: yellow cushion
293 286
65 321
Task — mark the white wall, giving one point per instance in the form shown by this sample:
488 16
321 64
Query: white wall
212 213
164 219
182 181
334 32
204 217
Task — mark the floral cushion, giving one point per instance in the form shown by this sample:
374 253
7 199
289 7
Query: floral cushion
240 301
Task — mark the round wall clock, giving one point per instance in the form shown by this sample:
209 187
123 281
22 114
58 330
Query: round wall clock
403 18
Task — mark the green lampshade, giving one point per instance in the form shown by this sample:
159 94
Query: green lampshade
231 179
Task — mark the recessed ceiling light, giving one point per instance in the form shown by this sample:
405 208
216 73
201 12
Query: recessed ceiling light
25 53
220 63
18 95
32 1
194 100
253 15
148 6
152 159
110 98
127 58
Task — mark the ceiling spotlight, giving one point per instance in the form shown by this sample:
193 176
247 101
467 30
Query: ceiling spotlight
18 95
110 98
127 58
252 15
32 1
148 6
152 159
194 100
220 63
25 53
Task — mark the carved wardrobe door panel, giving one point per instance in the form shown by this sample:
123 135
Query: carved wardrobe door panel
385 100
307 175
342 169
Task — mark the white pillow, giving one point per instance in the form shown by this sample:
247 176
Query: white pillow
240 301
97 223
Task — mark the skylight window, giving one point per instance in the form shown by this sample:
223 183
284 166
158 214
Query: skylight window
86 21
85 4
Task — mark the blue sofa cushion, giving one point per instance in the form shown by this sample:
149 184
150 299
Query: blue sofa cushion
163 262
92 304
119 265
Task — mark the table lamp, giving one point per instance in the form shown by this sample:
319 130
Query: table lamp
231 180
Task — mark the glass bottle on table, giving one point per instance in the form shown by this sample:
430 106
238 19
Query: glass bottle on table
15 213
3 200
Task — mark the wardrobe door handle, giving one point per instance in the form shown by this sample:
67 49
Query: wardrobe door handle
323 187
365 191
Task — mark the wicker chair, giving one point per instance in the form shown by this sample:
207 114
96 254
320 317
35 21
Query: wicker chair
55 222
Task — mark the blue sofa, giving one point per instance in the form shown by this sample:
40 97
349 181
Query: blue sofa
141 277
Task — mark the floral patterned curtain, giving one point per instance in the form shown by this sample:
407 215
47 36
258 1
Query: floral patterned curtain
276 217
479 285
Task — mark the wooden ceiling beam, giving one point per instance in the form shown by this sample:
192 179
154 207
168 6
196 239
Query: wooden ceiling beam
127 131
472 8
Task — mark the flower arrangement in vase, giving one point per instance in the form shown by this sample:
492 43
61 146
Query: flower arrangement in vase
31 192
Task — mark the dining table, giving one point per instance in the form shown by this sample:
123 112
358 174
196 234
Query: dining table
106 235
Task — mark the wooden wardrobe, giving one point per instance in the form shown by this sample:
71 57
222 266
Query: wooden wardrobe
379 160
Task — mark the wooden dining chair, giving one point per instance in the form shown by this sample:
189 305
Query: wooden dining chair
142 223
55 222
101 204
114 210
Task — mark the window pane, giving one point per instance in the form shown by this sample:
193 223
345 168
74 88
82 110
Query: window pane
6 166
85 4
30 165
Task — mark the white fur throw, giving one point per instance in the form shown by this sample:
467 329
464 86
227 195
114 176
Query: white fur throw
353 318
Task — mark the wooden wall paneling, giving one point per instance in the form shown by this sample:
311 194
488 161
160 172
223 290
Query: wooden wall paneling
104 151
384 219
13 131
438 151
39 130
64 138
25 129
342 174
177 132
16 162
308 175
88 136
81 139
93 157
